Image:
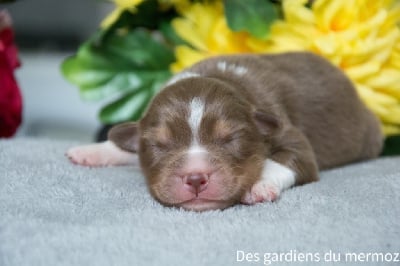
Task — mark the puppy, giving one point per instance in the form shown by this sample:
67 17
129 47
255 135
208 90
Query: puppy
242 129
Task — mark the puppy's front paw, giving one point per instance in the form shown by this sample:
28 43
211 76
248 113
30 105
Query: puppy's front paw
262 191
85 155
275 178
101 154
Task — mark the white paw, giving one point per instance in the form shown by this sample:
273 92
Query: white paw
262 191
275 178
101 154
86 155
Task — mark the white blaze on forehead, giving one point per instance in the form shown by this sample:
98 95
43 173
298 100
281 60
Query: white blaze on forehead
196 109
225 67
182 75
279 175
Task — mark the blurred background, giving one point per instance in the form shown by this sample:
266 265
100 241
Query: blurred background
49 31
52 107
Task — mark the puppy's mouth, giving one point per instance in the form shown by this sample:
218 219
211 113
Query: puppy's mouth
204 204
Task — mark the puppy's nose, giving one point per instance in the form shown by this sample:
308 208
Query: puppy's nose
196 183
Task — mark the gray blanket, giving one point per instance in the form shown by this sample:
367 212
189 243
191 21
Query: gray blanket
56 213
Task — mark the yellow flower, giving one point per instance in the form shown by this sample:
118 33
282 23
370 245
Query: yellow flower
204 26
121 6
359 36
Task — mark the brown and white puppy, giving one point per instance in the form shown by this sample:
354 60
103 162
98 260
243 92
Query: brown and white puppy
241 129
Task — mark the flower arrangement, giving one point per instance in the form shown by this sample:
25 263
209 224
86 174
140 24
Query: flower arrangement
143 42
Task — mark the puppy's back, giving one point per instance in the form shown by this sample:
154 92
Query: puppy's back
324 104
308 92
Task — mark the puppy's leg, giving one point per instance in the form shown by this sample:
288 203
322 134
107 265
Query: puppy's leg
101 154
292 162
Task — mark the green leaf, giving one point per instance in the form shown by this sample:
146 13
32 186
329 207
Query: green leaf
253 16
130 67
392 146
132 105
100 79
141 49
86 68
129 107
79 73
170 35
121 82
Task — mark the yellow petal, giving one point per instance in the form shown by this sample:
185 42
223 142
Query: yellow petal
363 71
296 12
222 40
121 5
185 31
284 38
195 24
380 98
187 57
388 80
370 99
327 44
127 4
111 18
390 129
393 17
392 116
326 11
394 60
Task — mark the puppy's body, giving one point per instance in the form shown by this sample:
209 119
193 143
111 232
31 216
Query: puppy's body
244 128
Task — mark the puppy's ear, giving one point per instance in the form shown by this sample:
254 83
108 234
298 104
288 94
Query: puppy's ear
125 136
266 122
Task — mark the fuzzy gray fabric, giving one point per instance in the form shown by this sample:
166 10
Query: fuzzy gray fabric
56 213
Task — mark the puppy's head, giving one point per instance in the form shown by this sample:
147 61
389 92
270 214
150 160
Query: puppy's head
200 144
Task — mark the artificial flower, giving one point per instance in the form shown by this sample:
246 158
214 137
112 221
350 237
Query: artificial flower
359 36
204 26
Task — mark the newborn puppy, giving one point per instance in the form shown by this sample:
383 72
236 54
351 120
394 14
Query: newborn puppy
241 129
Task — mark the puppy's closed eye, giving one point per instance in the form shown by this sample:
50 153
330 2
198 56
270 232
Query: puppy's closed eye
228 138
159 138
161 145
223 130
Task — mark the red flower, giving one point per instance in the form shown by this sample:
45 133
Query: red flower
10 96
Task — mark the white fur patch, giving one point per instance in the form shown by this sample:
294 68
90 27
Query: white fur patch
182 75
279 175
225 67
196 108
275 179
196 115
